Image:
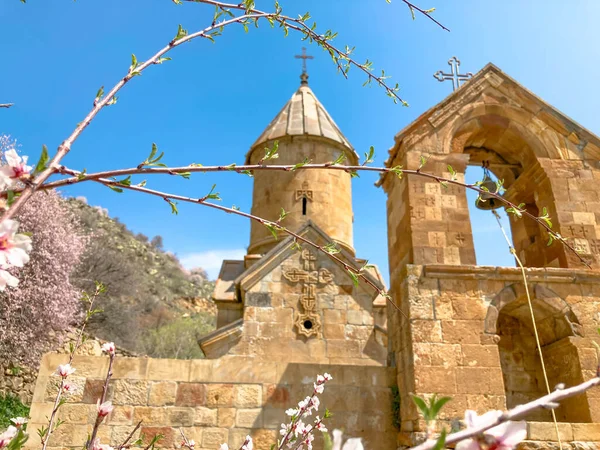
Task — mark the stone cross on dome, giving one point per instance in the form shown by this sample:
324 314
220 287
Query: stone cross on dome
304 57
454 74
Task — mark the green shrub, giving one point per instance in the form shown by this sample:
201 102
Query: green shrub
11 406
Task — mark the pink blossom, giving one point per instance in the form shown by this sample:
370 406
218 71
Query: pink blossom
109 347
247 444
19 421
505 436
319 388
64 370
14 247
6 279
16 168
191 443
319 425
68 387
8 436
98 446
104 409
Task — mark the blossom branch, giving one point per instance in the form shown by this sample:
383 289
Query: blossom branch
77 177
104 407
547 401
250 15
65 370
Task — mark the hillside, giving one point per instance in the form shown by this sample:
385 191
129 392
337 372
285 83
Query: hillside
153 305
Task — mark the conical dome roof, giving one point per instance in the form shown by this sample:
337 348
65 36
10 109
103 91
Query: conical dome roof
303 115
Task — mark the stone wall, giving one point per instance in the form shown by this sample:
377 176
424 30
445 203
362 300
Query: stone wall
462 321
213 401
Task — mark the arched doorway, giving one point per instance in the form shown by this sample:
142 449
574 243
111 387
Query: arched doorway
510 319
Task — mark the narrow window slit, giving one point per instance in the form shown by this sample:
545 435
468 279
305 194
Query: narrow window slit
304 203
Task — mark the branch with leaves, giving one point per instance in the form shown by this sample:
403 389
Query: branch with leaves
153 165
222 18
547 401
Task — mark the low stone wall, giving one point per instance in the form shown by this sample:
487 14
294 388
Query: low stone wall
213 401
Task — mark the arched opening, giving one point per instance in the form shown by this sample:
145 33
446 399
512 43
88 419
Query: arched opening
520 360
507 149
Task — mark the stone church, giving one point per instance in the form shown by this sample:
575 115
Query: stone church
286 314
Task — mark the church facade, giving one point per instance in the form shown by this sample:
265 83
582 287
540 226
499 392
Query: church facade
287 312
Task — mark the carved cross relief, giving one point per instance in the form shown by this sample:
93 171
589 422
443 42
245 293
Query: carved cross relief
310 278
305 192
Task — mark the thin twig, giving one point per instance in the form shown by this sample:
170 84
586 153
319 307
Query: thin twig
516 413
100 418
202 201
124 444
46 438
251 15
78 177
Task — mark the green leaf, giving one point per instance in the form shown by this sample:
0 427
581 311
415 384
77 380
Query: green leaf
353 276
370 156
354 174
173 206
181 32
422 163
452 171
162 60
441 442
114 188
125 181
272 229
185 175
302 164
339 160
212 194
437 405
398 171
331 248
10 197
134 63
100 93
271 153
420 403
112 101
41 165
282 215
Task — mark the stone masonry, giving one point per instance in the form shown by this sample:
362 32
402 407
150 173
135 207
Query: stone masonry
287 312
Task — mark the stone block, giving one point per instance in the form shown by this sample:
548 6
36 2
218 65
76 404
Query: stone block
226 417
121 415
214 437
132 368
168 439
462 331
92 391
219 395
334 331
468 308
169 369
119 433
181 417
546 431
205 416
480 355
586 431
475 380
276 395
162 393
435 380
248 396
248 418
150 415
191 394
426 331
131 392
337 348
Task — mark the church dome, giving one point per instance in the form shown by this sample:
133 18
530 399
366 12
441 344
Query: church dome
302 115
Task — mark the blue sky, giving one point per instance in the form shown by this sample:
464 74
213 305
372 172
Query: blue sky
211 102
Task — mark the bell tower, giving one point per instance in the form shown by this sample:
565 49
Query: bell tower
304 131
